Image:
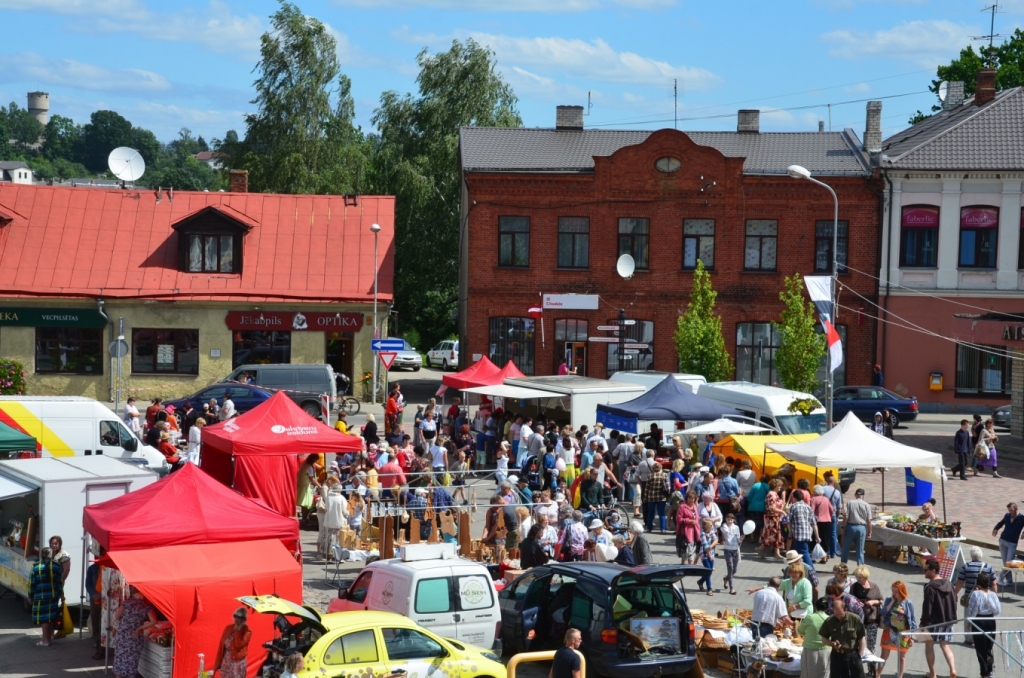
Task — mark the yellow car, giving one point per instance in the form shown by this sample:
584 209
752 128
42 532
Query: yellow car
365 644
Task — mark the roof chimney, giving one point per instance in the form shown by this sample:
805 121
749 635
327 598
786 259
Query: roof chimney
569 117
873 128
821 125
748 120
238 181
954 95
986 90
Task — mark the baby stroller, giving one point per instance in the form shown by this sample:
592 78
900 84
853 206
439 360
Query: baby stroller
532 472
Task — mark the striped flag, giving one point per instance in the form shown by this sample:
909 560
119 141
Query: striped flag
819 287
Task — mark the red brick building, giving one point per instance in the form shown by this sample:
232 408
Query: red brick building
549 211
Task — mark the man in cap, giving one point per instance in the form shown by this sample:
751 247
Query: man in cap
522 488
418 509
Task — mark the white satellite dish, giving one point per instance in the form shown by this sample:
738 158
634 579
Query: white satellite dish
943 90
126 164
625 267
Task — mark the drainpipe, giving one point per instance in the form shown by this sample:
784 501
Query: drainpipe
888 277
110 323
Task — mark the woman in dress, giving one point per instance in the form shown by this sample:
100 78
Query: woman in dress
195 439
60 556
870 597
709 510
131 416
234 647
814 660
47 594
984 606
687 530
896 616
134 616
774 509
306 482
988 437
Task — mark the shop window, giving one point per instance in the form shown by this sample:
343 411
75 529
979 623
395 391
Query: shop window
919 237
210 241
573 242
69 350
633 240
979 231
698 243
514 241
823 245
633 358
982 370
761 244
165 351
755 352
513 339
261 347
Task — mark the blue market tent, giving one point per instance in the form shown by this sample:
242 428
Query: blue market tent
668 401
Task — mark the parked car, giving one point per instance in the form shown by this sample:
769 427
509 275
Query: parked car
408 357
597 598
365 643
445 354
303 383
244 396
1001 417
864 401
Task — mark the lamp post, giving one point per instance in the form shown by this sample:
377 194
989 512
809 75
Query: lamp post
798 172
376 231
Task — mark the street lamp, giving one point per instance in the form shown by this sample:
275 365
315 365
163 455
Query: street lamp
798 172
376 231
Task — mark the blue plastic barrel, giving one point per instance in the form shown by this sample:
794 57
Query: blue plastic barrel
918 491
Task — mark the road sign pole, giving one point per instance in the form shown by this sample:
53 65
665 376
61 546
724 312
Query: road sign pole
622 335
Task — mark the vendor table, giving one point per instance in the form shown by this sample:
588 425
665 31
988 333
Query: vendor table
948 550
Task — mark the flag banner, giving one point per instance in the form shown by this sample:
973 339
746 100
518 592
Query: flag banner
819 287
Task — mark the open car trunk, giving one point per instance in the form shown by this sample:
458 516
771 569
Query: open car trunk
297 627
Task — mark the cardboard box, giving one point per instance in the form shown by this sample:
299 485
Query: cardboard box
510 575
710 658
727 662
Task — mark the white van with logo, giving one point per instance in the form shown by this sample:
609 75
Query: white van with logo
453 597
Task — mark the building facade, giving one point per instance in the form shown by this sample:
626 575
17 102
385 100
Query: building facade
952 266
547 213
197 283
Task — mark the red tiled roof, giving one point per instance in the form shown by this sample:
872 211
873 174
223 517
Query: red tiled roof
78 242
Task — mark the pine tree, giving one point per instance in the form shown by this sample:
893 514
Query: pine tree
699 340
800 347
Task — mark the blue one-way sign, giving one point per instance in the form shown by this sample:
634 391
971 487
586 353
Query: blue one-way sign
387 344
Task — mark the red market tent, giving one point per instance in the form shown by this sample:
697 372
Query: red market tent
186 507
509 371
195 587
472 375
259 452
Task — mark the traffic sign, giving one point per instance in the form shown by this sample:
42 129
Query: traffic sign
604 340
387 358
629 322
636 346
607 328
387 344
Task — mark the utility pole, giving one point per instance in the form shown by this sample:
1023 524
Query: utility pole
675 102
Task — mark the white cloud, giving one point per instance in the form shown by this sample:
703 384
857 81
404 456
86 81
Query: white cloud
550 6
77 7
70 73
159 115
923 42
859 88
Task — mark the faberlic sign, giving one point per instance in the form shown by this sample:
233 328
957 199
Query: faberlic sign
979 217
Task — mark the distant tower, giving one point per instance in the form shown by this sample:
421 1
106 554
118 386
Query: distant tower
39 106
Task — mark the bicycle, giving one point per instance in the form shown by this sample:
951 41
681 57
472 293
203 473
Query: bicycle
348 404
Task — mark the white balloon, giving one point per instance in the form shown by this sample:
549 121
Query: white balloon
560 464
749 527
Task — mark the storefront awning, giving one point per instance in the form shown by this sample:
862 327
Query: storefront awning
10 489
513 392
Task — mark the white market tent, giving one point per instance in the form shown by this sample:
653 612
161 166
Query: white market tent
727 426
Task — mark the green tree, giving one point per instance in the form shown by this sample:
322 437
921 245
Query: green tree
59 138
58 168
800 347
416 159
105 131
699 340
302 138
23 130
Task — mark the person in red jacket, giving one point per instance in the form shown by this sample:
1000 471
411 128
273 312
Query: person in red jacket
233 649
169 451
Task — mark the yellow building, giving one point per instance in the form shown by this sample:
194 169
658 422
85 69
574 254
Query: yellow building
198 283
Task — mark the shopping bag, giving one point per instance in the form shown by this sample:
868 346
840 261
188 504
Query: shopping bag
66 626
818 553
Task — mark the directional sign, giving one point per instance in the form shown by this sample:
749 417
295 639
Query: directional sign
629 352
636 346
387 358
607 328
387 344
629 322
604 340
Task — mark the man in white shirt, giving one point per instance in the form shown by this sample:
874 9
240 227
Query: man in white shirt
227 410
769 608
525 433
598 435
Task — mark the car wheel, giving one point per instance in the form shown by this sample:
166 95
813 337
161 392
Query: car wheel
416 369
181 420
312 409
444 364
844 487
894 419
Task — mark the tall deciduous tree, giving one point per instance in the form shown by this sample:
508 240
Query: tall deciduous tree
416 159
301 139
800 347
59 138
23 130
699 340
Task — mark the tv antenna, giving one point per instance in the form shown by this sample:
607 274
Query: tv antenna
126 164
590 103
992 35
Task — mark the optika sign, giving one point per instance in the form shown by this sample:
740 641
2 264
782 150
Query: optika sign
294 321
294 430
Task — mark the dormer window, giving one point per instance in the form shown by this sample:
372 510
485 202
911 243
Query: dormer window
210 240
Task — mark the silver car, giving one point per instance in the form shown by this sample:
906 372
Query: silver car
408 357
1001 417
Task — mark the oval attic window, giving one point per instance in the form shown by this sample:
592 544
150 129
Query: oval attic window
668 164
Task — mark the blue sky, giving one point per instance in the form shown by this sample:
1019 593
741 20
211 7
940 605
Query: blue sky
189 63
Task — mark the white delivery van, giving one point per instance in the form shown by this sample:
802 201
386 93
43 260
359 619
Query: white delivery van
55 491
767 404
650 378
580 396
72 426
453 597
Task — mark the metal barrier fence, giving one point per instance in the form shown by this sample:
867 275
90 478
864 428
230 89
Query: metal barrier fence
1010 641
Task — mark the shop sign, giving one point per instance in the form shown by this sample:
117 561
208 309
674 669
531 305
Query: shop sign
979 217
1013 332
51 317
921 217
571 302
293 321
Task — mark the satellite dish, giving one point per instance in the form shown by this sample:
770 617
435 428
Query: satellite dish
126 164
943 89
625 267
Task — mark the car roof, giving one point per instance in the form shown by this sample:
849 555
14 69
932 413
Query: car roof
413 566
362 618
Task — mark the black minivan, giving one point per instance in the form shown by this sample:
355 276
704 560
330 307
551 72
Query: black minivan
635 622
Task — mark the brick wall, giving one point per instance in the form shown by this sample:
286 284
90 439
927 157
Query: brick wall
627 184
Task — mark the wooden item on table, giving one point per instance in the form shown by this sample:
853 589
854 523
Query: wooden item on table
31 528
431 515
472 500
387 537
465 538
448 523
